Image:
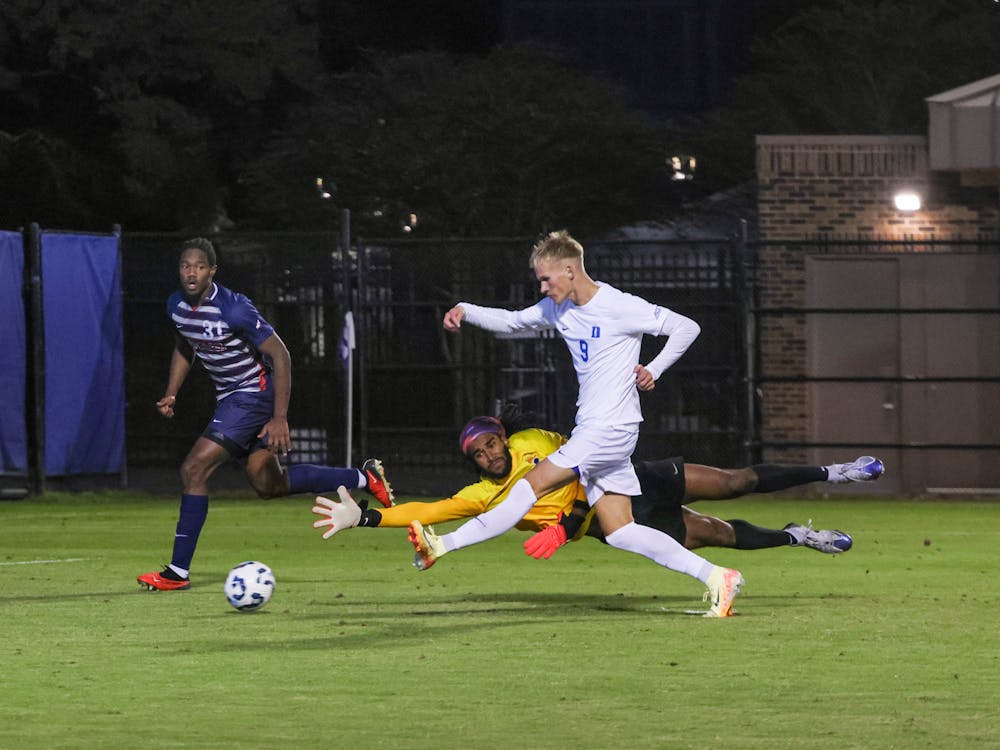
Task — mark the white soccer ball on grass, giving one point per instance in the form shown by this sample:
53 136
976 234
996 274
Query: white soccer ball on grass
249 586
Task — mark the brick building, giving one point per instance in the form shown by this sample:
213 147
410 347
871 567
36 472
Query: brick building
878 327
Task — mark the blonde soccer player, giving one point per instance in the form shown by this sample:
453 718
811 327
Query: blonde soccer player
603 329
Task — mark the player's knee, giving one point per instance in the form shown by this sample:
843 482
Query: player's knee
723 533
268 485
708 531
265 488
740 482
194 471
266 476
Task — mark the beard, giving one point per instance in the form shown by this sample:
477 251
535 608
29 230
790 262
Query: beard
505 469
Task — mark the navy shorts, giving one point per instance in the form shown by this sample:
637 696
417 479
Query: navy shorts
660 505
237 421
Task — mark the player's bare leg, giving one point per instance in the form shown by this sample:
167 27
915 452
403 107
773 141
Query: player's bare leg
547 477
711 483
265 474
613 511
269 479
706 531
200 463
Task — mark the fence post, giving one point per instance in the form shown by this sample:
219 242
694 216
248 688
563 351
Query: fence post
349 332
745 286
116 230
361 330
37 339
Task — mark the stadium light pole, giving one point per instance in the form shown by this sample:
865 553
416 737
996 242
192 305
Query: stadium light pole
348 341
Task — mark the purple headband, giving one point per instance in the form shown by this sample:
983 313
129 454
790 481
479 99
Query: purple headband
478 426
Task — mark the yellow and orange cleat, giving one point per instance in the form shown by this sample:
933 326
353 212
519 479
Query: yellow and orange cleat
428 545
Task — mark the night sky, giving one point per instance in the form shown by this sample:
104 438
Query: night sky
668 55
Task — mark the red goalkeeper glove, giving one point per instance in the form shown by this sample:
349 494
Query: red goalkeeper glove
544 543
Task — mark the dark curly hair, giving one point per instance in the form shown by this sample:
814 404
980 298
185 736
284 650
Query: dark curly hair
206 246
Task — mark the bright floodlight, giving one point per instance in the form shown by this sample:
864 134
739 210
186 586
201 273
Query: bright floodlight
907 201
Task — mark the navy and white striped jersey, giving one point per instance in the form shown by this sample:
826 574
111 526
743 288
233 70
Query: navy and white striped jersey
225 331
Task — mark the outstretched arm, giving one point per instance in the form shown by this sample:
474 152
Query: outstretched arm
495 319
336 516
438 511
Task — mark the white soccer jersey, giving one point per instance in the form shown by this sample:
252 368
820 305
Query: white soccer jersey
604 337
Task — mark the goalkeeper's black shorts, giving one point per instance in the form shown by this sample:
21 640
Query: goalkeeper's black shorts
660 505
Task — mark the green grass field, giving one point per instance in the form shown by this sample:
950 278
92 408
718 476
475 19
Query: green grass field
892 645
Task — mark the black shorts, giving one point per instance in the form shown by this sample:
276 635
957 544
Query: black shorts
660 505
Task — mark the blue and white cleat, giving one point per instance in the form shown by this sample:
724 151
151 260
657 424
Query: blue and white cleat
828 541
864 469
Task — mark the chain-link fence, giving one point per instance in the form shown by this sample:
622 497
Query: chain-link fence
415 385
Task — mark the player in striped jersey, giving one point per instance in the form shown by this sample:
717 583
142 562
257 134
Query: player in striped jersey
252 372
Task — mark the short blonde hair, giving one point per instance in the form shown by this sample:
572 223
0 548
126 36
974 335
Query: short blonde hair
556 246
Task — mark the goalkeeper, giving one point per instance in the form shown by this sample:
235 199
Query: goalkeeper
564 515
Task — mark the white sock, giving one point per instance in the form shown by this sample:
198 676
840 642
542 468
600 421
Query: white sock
362 479
660 548
495 521
179 571
833 474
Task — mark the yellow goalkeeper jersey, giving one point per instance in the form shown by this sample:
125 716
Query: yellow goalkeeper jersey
527 448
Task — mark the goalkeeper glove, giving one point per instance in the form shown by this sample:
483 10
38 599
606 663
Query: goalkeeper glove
544 543
337 515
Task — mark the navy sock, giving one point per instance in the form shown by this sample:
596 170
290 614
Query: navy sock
749 536
194 511
771 477
313 478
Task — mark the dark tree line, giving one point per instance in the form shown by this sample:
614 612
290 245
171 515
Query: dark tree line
203 116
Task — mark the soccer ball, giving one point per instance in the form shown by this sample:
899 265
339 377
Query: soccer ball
249 586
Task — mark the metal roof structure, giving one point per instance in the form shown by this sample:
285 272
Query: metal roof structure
964 130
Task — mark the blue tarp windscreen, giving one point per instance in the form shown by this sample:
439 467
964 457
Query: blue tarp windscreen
84 355
13 430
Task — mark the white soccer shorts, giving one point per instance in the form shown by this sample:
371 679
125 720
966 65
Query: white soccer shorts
604 457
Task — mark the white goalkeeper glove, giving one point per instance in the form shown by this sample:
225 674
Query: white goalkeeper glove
337 515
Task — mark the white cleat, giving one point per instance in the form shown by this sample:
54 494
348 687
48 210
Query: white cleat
723 586
828 541
426 543
863 469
